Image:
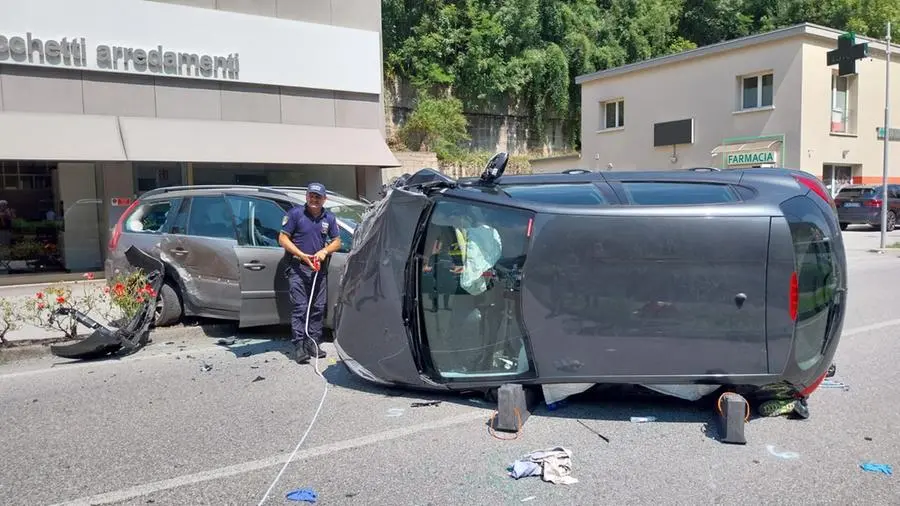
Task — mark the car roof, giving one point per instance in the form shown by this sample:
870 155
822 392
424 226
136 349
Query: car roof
295 193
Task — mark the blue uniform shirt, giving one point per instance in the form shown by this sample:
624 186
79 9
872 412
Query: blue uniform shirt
308 233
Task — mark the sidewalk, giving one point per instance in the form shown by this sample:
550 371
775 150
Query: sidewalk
18 294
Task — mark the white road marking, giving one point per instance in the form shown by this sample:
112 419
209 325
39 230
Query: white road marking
869 328
256 465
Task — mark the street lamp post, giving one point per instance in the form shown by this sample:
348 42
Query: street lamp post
887 135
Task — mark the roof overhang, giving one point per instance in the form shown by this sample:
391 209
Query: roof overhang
804 29
64 137
155 139
93 138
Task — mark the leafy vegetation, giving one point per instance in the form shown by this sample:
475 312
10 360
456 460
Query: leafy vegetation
503 55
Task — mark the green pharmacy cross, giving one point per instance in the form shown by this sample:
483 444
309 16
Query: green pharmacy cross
847 53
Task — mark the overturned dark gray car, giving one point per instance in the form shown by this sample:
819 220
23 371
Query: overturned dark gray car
669 279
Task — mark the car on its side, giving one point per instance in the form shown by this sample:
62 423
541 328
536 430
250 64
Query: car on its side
219 245
668 277
861 204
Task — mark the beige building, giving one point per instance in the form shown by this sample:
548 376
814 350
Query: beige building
764 100
102 100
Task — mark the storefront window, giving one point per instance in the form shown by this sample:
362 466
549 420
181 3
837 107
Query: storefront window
49 218
152 175
340 179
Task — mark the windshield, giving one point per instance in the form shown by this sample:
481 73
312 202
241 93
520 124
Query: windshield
349 214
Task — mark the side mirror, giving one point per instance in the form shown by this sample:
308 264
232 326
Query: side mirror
495 167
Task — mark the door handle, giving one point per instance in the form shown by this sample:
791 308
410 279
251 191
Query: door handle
254 266
179 251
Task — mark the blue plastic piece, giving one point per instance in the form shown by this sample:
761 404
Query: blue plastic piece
877 468
303 494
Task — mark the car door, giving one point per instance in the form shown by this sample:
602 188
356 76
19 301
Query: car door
265 294
200 248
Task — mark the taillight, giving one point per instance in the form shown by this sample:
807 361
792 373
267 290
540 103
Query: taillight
793 297
872 203
818 188
812 388
117 230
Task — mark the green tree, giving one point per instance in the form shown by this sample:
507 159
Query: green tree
436 124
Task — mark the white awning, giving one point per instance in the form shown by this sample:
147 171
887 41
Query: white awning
94 138
738 147
63 137
184 140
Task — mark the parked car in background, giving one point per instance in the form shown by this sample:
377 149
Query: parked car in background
219 245
861 205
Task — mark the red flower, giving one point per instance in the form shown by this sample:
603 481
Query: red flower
40 295
140 299
41 305
89 275
105 289
61 300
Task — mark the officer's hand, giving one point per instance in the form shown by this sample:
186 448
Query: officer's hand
321 254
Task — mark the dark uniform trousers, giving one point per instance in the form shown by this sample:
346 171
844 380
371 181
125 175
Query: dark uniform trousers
300 276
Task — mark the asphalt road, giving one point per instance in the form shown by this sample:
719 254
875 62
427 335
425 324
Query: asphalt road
157 428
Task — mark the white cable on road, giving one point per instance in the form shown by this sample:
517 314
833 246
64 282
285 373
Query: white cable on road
321 402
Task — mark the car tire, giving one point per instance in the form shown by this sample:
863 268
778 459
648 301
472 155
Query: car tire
168 309
891 221
844 226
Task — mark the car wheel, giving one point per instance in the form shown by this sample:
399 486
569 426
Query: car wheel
891 220
844 226
168 306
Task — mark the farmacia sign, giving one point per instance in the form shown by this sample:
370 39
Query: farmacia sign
75 53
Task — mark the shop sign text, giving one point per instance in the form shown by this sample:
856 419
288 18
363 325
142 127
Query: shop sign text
750 158
74 53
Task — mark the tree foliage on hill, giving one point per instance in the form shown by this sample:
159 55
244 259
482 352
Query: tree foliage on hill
527 53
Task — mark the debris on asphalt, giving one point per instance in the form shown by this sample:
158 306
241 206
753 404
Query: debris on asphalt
877 468
834 384
303 494
529 498
226 342
867 438
643 419
782 455
595 432
553 465
206 367
258 378
425 403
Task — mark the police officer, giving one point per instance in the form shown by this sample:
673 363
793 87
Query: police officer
305 235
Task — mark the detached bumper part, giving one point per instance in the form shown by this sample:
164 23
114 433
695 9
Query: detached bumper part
131 336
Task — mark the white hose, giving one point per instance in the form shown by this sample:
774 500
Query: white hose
315 357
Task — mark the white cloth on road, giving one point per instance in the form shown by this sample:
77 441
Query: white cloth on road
553 465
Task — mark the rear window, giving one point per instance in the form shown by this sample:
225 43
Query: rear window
816 277
855 193
666 193
148 217
582 194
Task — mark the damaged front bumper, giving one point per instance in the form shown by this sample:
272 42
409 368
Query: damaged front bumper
132 334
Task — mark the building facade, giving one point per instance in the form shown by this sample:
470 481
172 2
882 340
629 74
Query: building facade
101 100
764 100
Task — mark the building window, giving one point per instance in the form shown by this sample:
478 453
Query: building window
757 91
612 114
843 104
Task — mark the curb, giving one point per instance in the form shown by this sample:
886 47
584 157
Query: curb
24 349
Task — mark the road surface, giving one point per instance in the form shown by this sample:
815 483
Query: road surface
193 422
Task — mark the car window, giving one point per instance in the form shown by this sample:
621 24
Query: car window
673 194
855 193
469 274
817 276
257 221
148 217
581 194
211 217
